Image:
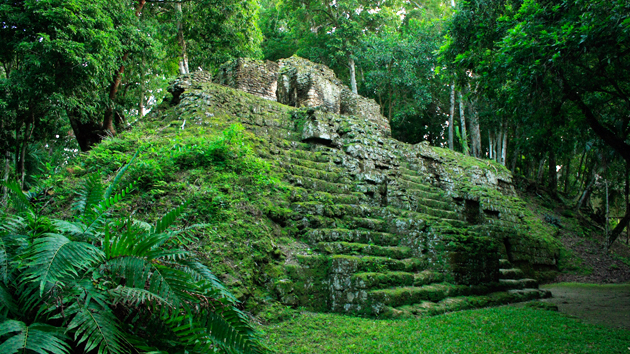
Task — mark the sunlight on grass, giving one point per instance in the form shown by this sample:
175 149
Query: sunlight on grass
494 330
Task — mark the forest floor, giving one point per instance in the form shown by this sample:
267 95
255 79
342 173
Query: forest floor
607 305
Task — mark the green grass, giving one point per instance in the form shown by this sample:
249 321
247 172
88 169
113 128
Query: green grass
493 330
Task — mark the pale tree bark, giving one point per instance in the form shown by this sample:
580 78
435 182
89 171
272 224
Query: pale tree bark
587 190
504 146
490 145
353 74
141 108
541 170
475 133
451 118
183 63
462 118
553 173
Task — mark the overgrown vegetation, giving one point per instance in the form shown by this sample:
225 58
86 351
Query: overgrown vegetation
112 284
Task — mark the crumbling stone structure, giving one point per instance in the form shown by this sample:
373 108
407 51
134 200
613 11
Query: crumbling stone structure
298 82
381 227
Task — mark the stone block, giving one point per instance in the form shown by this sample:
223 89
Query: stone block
302 83
257 77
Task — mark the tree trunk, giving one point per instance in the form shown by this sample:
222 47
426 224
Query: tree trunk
587 190
108 119
451 118
475 132
183 63
619 228
462 118
541 170
5 179
490 145
353 74
515 158
504 146
567 173
28 132
553 173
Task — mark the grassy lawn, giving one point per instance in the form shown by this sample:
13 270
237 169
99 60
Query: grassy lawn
493 330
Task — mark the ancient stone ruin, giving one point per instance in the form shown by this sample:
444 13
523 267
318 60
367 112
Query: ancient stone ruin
381 227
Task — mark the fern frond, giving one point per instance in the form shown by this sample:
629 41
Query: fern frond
13 224
55 257
99 213
135 296
168 219
119 175
210 282
38 338
96 328
7 303
72 228
90 195
20 201
224 327
4 261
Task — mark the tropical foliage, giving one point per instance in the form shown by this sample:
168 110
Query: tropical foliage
109 285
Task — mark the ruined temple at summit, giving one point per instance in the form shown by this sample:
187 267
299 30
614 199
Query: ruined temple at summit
391 228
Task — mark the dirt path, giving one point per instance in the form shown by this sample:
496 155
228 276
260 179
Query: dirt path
607 305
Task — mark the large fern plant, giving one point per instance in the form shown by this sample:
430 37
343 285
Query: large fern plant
98 284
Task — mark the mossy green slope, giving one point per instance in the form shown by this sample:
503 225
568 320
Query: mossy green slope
340 224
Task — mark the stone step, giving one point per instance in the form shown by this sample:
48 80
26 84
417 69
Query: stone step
407 182
315 184
374 280
353 248
396 215
334 176
450 304
510 284
299 194
423 209
504 263
352 222
396 297
413 193
511 273
359 236
331 210
346 264
432 203
530 292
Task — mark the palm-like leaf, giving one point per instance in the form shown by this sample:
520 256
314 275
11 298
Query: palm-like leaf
7 303
119 175
224 327
56 257
96 327
38 338
90 195
168 219
20 201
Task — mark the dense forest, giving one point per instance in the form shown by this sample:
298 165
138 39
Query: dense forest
541 87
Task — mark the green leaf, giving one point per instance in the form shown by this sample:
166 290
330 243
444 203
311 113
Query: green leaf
38 338
55 257
97 328
168 219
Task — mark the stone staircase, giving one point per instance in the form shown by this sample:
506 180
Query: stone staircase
363 231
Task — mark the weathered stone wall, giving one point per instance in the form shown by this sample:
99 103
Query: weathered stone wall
298 82
257 77
186 82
